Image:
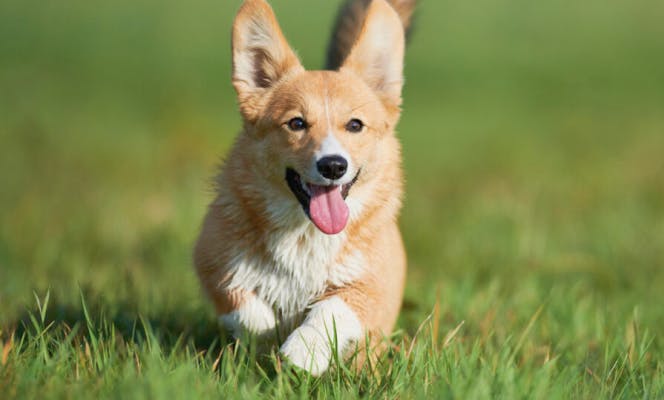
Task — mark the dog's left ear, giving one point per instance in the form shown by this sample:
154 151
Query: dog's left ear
261 56
377 55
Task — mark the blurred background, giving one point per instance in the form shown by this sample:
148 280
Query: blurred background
533 137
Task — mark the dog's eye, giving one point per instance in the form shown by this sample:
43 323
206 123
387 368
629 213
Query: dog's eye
354 126
297 124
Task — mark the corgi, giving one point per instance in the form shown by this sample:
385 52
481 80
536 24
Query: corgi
301 241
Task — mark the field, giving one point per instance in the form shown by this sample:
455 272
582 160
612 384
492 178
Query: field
533 138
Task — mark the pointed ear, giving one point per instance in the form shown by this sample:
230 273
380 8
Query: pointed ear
377 55
261 56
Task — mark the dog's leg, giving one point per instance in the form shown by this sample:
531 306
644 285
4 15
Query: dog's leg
331 325
252 316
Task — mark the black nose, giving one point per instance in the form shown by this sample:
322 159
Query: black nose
332 167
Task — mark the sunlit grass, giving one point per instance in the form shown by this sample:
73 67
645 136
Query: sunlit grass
534 215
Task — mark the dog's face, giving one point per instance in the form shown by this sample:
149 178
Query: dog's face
318 133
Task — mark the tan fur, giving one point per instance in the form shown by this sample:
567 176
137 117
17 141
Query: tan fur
349 22
272 88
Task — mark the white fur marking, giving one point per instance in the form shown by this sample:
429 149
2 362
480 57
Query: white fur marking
348 270
327 114
297 267
311 345
332 147
254 317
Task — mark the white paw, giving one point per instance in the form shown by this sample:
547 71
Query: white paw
311 345
254 317
309 349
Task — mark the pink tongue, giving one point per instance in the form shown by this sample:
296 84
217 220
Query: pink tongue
327 209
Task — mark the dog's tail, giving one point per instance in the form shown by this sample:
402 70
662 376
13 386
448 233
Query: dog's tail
349 23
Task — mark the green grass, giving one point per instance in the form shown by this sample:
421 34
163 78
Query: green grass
534 220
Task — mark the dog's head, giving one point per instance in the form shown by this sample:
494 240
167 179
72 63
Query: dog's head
320 135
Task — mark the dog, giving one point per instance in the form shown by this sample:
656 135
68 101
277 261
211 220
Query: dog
301 241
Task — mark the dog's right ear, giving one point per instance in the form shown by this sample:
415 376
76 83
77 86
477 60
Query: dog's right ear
377 54
261 56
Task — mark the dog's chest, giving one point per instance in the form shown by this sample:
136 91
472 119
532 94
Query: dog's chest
300 263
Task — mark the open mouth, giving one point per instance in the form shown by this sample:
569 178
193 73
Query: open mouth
324 205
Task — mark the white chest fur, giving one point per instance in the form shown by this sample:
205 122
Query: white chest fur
301 262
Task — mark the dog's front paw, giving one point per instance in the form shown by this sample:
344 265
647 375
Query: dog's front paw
309 349
254 317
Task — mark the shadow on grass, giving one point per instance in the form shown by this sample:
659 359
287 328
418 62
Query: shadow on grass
119 326
92 316
180 333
